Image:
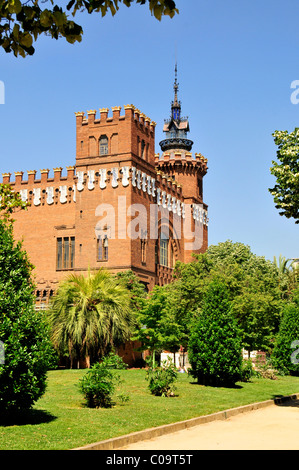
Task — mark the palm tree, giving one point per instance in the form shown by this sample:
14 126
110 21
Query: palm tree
90 314
288 272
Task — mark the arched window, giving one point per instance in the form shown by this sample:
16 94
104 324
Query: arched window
164 242
102 248
142 149
103 145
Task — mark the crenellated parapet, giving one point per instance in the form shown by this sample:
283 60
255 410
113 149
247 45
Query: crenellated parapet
45 189
162 189
131 113
44 176
179 158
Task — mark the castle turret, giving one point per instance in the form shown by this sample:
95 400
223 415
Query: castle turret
177 162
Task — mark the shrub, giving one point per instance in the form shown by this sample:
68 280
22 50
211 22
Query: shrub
214 348
113 361
285 352
267 371
161 379
247 370
98 385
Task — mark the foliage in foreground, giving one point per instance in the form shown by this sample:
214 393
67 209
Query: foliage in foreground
215 351
23 332
22 22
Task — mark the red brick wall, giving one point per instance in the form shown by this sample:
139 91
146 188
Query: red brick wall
78 216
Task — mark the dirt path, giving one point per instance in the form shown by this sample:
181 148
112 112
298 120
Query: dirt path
271 428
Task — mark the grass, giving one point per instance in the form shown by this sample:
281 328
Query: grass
60 419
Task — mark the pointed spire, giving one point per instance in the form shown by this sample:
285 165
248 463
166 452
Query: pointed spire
176 128
176 85
176 105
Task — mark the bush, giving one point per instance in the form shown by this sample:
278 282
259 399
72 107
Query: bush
98 385
267 371
285 352
247 370
161 379
23 331
113 361
214 349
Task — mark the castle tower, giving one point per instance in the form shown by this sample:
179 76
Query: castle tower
178 163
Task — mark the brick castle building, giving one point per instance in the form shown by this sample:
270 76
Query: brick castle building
121 206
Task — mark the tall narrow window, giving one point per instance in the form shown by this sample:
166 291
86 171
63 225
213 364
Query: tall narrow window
59 253
164 250
103 145
142 149
65 253
143 250
157 252
102 248
72 264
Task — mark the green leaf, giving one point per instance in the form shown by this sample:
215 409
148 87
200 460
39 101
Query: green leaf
14 6
26 40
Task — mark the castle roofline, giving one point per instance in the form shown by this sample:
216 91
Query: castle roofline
183 124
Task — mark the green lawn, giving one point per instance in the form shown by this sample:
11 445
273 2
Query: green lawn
60 420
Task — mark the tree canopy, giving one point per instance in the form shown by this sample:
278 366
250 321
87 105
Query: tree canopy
286 171
22 22
256 290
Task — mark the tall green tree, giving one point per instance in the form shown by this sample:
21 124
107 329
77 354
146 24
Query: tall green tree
24 332
286 171
90 315
22 22
214 348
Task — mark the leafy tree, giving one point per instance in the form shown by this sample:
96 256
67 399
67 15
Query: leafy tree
22 22
90 315
23 331
135 287
285 353
10 202
158 327
286 171
214 349
252 283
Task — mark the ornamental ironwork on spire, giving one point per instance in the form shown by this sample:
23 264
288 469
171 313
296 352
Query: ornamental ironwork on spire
176 128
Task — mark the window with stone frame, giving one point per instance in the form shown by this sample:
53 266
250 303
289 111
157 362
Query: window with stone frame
103 145
65 253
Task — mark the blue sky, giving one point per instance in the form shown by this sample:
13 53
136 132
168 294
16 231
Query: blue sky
236 62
